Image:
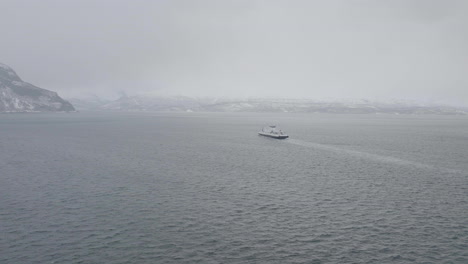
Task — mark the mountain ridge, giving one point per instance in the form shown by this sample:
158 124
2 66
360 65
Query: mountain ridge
192 104
19 96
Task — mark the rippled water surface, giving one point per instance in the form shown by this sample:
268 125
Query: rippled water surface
204 188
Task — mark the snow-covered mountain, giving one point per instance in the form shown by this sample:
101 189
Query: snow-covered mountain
19 96
152 103
89 102
190 104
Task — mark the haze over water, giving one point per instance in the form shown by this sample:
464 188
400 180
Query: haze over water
204 188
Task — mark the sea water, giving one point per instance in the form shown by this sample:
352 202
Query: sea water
205 188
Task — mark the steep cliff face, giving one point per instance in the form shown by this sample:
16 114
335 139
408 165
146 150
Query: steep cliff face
19 96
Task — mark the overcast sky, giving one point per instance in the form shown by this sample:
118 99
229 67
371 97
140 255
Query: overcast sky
377 49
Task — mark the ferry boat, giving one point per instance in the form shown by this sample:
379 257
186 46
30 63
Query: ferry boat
273 132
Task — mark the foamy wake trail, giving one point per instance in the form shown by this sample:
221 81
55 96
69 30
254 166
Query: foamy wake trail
370 156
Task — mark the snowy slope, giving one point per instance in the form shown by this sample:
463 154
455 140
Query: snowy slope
19 96
188 104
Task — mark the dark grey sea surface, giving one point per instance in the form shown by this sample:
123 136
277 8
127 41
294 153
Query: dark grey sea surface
205 188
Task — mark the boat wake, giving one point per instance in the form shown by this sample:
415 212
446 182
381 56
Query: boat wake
373 157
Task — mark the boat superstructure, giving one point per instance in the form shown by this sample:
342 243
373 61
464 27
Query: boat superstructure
273 132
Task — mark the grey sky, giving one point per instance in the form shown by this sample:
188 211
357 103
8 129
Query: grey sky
408 49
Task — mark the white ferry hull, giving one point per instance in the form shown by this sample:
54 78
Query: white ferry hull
273 135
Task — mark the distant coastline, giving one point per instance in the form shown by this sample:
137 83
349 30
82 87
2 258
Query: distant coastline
192 104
